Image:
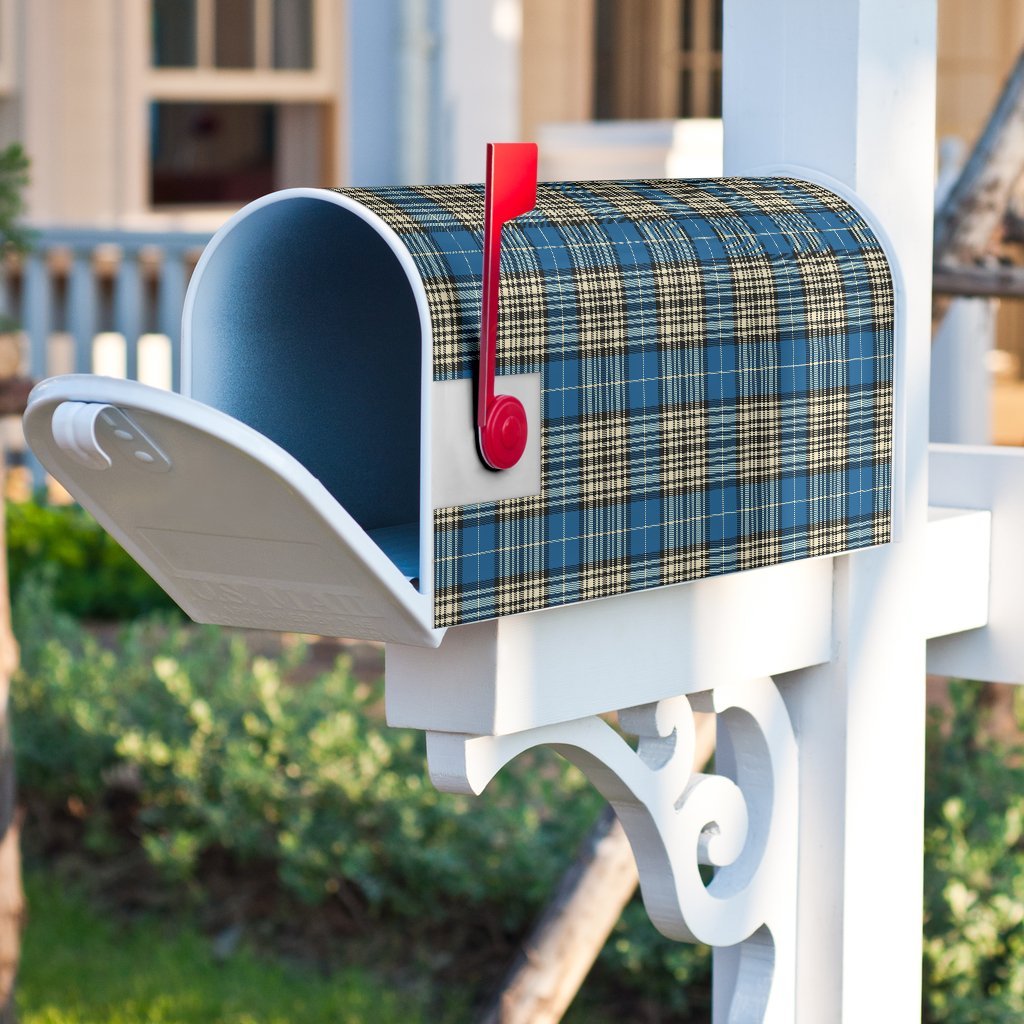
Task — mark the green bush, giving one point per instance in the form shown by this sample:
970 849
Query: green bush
91 575
228 757
225 755
974 869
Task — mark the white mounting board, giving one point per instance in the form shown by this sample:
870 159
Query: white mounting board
523 671
967 476
229 524
959 543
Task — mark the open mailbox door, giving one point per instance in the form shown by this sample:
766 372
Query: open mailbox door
236 530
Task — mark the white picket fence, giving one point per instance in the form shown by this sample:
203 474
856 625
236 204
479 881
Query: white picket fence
102 301
99 301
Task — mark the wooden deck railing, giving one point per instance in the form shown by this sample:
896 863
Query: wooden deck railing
99 301
102 301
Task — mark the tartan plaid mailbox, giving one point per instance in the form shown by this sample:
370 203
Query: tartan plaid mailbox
706 369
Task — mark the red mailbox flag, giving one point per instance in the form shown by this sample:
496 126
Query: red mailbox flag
511 190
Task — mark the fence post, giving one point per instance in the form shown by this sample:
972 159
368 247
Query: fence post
82 308
170 300
128 308
36 312
961 380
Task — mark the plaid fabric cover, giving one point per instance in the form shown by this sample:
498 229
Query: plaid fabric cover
716 361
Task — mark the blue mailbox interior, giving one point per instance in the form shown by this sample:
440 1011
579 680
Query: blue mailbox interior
305 327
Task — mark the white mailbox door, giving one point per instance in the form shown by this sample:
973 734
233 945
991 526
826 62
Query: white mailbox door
230 525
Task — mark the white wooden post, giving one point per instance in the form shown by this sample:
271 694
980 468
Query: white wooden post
961 390
848 88
479 70
961 381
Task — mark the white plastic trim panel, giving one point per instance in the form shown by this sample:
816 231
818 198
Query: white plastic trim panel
233 527
957 585
990 479
522 671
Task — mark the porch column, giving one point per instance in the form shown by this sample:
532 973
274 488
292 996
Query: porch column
848 89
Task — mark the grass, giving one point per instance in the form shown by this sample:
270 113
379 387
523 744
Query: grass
79 968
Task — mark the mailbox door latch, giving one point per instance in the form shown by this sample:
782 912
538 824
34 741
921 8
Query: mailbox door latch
87 432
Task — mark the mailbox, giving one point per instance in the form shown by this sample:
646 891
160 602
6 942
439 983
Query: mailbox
706 369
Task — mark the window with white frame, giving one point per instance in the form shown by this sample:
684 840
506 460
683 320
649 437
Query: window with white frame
239 34
241 95
658 58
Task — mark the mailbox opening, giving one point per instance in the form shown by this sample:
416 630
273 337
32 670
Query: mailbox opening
301 322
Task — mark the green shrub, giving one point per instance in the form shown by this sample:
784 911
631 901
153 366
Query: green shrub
14 236
974 869
91 575
226 755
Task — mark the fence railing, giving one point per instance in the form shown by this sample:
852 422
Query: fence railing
102 301
98 301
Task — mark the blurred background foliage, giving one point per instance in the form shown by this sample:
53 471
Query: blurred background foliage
179 764
166 766
90 576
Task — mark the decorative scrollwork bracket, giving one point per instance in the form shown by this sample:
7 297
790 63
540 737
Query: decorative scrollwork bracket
742 821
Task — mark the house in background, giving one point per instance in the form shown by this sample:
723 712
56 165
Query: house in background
168 113
172 113
150 121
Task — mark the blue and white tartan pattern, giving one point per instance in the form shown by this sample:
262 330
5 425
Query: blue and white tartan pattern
716 361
